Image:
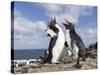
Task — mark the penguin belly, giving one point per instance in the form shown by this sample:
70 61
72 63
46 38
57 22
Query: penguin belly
68 39
76 50
58 48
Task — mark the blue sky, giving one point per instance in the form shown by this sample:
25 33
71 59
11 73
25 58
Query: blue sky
31 20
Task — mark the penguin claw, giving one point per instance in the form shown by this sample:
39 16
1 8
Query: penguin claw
78 66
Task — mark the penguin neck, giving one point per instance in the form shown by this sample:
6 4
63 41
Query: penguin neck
72 31
68 38
61 33
67 32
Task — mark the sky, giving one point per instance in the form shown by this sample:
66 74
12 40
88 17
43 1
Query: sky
31 19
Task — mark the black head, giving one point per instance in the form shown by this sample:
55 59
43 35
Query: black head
68 25
52 22
52 30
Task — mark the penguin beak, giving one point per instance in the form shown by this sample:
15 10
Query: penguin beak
46 31
67 21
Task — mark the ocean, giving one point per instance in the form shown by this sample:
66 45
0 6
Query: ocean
28 54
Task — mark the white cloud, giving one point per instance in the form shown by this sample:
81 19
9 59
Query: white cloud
88 35
23 24
52 8
28 34
71 12
87 32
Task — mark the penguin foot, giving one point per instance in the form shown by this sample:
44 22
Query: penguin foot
78 66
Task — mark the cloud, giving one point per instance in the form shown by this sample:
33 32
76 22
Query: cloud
23 24
88 35
71 12
52 8
29 34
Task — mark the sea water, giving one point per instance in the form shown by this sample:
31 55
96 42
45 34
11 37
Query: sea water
22 54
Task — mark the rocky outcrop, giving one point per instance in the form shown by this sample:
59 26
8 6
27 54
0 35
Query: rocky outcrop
92 51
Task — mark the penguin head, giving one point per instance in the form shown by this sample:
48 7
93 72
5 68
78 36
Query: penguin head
52 30
68 25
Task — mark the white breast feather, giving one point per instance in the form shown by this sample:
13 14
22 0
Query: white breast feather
58 48
76 49
68 39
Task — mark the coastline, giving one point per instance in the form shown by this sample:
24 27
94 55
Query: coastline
91 63
67 64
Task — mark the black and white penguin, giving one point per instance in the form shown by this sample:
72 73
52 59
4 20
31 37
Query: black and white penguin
56 45
75 42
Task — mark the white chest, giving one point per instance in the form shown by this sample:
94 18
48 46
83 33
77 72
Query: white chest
68 39
76 50
58 48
